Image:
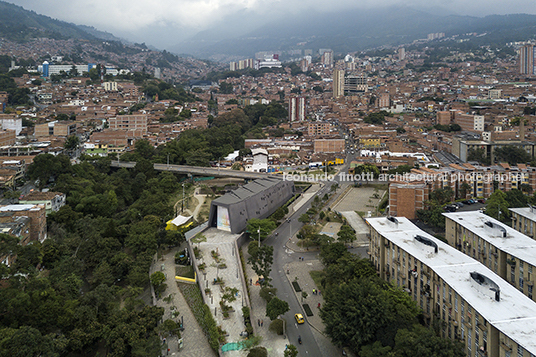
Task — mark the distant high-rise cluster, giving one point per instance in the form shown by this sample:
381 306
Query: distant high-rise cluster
326 57
266 61
526 59
436 35
305 63
242 64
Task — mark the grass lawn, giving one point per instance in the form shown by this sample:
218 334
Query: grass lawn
317 276
185 272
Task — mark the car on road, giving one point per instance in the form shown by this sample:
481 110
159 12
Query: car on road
299 318
451 208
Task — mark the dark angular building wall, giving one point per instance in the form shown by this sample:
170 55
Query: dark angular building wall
257 199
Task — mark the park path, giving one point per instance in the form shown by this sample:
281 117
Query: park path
195 343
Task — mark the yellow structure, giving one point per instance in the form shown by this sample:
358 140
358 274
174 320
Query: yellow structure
337 161
370 143
179 222
187 280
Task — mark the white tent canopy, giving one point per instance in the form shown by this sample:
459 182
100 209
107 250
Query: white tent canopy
180 220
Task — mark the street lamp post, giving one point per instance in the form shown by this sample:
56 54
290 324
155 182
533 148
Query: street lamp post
290 230
182 205
259 231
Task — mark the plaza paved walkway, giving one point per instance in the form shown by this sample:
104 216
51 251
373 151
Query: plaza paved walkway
195 344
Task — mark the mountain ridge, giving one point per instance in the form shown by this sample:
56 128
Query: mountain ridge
18 24
356 30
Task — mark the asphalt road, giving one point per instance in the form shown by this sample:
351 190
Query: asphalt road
282 256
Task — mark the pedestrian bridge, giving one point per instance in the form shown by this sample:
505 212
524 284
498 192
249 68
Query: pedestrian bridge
200 171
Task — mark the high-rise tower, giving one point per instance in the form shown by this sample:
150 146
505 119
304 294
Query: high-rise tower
338 83
526 59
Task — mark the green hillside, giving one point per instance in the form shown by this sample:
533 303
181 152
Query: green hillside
18 24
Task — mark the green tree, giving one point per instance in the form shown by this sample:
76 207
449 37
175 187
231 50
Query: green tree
226 88
94 74
402 169
360 312
46 166
442 195
367 168
73 72
375 118
8 248
516 198
26 341
235 116
304 218
103 274
185 114
171 328
432 214
346 234
307 232
276 307
258 351
512 155
347 268
62 116
291 351
72 142
478 155
517 120
422 341
279 213
261 260
260 227
464 190
143 148
157 280
497 206
376 349
330 253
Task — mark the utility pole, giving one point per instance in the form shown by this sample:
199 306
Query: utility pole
259 231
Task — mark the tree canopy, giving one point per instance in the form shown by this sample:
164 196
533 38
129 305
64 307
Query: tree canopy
276 307
512 155
260 228
368 315
497 206
346 234
77 292
261 260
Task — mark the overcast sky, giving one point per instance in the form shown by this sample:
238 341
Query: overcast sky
161 22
